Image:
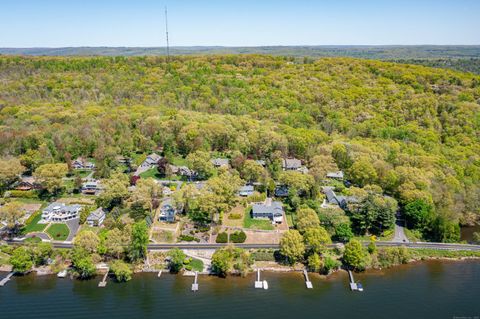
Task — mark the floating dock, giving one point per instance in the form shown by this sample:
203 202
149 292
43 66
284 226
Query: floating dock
103 283
308 283
258 282
6 279
354 286
195 282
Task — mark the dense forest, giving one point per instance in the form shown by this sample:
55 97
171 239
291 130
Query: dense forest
464 65
409 130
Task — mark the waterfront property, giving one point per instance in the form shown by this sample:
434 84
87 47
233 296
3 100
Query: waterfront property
269 209
96 217
59 212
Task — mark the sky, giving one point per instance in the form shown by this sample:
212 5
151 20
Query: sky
73 23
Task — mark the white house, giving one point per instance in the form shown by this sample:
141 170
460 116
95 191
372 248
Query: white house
59 212
268 210
220 162
96 217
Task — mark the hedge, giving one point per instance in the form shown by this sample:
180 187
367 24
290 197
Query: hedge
238 237
222 238
23 194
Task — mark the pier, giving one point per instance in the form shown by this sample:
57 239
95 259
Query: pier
258 282
308 283
103 283
354 286
6 279
195 282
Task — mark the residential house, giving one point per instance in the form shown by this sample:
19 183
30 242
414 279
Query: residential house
335 175
246 190
221 162
59 212
167 213
90 187
96 217
27 183
151 160
281 191
81 163
291 164
332 199
269 209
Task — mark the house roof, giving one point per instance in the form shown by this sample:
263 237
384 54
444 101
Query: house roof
220 161
291 163
269 208
62 207
96 214
153 158
246 188
167 210
338 174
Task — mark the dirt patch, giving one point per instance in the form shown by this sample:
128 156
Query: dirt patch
77 200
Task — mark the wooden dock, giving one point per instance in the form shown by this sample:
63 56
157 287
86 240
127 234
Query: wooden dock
103 283
195 282
308 283
354 286
6 279
258 282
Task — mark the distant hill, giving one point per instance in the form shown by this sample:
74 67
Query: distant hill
369 52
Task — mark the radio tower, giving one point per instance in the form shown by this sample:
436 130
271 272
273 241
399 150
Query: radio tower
166 32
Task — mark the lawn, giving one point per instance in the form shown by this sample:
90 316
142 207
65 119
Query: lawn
34 226
58 231
249 222
151 173
196 265
179 161
82 172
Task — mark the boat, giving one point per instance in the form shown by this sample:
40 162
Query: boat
265 285
62 274
359 287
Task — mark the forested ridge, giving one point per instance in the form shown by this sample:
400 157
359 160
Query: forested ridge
412 130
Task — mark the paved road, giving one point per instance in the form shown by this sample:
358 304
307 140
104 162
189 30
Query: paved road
195 246
400 236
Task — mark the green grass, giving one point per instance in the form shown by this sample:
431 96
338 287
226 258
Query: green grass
151 173
35 240
196 264
424 253
289 219
249 222
58 231
82 173
179 161
34 226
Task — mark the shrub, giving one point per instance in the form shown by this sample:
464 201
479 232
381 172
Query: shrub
222 238
121 270
235 216
263 256
238 237
188 238
23 194
391 256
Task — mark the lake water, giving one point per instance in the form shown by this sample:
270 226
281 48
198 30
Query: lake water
422 290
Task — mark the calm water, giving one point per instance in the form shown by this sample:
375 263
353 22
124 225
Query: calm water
424 290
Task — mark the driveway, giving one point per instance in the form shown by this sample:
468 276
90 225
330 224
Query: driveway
73 224
400 236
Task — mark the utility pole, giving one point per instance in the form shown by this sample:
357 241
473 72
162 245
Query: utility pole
166 32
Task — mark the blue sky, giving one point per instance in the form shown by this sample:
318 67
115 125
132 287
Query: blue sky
55 23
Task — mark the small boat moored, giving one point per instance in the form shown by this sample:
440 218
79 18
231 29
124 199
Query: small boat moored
62 274
265 285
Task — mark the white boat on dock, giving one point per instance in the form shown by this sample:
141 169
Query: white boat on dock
265 285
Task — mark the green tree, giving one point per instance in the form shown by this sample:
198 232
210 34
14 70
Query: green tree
50 176
11 213
116 242
10 169
343 232
115 191
292 246
317 239
418 214
121 270
139 242
222 262
200 162
87 240
307 218
354 255
362 172
314 262
21 260
374 214
177 257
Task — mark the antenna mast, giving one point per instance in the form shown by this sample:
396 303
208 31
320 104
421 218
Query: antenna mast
166 31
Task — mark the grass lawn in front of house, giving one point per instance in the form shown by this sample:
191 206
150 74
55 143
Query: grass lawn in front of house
195 265
34 226
151 173
58 231
179 161
249 222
